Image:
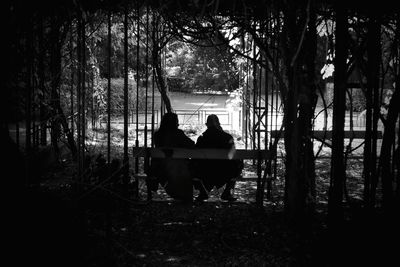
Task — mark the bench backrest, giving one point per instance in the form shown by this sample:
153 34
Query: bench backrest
199 153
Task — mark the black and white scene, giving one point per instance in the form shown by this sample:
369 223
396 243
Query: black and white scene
200 133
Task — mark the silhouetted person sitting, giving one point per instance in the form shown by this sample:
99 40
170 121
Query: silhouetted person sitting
216 172
173 174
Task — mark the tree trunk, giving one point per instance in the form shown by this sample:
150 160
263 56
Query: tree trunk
59 117
374 61
156 61
309 106
300 171
335 208
28 110
126 103
293 202
55 69
161 81
41 76
386 151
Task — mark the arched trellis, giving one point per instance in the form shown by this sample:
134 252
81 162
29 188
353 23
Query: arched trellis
257 125
372 111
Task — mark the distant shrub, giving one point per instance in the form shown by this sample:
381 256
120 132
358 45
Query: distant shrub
117 94
176 84
358 100
357 97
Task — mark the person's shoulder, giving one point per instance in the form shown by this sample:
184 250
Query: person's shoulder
158 134
180 132
200 139
227 135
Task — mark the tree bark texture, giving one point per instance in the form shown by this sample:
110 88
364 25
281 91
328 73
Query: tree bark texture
335 208
59 118
55 70
373 66
156 61
41 76
300 98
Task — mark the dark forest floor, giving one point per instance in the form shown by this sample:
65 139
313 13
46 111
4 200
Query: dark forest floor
210 234
214 233
103 227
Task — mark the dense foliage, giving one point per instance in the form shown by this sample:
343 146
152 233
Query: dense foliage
201 67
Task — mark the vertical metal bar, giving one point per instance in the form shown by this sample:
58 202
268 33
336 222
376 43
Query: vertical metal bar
267 143
83 89
266 107
28 118
92 115
146 159
259 106
393 166
109 89
78 94
126 158
149 193
243 88
43 138
28 115
374 56
137 86
254 96
259 122
273 108
253 128
276 109
153 35
246 103
153 84
153 111
147 76
33 87
335 205
71 49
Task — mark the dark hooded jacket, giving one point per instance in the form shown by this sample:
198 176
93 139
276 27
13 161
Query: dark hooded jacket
217 172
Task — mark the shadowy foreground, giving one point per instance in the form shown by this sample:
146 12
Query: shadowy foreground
50 226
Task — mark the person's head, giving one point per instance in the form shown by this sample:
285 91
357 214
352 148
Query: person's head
169 121
213 122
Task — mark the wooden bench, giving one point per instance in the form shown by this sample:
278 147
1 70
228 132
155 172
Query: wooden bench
205 153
